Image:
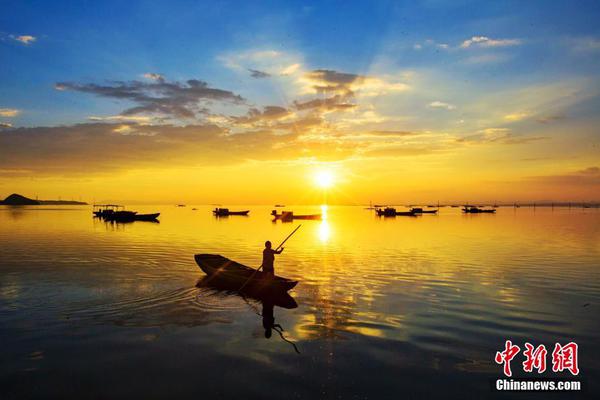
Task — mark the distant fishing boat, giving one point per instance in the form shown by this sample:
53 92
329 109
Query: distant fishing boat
102 210
370 207
128 216
180 205
279 205
224 212
391 212
417 210
477 210
289 216
239 276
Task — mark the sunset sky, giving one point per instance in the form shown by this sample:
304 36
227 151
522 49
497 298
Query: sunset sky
241 102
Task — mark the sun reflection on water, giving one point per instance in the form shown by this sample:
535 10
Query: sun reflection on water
324 231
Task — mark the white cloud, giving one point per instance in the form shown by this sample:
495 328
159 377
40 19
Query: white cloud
9 112
25 39
516 116
441 104
153 76
484 41
431 43
272 62
126 118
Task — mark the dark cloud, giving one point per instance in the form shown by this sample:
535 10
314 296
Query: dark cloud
327 81
269 113
111 147
258 74
336 102
171 99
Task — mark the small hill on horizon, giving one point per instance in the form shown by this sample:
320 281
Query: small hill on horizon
20 200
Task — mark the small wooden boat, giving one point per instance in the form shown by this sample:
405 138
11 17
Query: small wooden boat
146 217
224 212
279 205
235 275
290 216
477 210
129 216
391 212
417 210
121 216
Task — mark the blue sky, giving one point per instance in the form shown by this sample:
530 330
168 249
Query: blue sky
454 74
95 41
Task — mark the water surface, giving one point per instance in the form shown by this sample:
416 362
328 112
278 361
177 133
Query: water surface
387 307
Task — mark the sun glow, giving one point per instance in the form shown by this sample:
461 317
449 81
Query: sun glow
324 179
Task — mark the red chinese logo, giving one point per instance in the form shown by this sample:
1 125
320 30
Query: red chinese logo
535 358
563 357
505 357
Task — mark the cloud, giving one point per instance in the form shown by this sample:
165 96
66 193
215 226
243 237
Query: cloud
127 118
484 41
290 69
498 135
586 177
170 99
392 133
264 61
516 116
258 74
5 125
154 76
441 104
431 44
269 113
337 102
9 112
25 39
550 118
331 82
73 150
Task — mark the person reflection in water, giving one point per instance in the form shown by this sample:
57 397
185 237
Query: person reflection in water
269 259
268 319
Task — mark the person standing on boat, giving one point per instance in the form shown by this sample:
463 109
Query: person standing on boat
269 258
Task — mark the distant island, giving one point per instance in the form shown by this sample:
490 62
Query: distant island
19 200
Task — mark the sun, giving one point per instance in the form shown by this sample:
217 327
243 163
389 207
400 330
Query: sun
324 179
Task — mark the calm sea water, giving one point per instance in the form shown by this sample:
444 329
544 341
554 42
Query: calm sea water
387 307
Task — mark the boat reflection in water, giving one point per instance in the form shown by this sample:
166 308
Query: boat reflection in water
268 300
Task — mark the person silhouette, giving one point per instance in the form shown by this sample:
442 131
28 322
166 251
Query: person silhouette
269 259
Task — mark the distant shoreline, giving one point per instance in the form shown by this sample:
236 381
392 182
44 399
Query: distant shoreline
20 200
